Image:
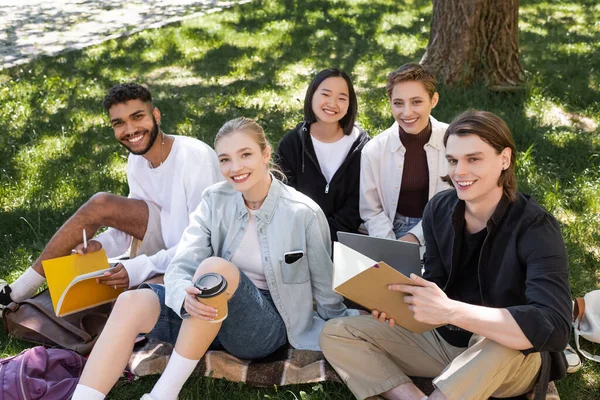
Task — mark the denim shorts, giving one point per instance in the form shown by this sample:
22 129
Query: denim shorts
253 328
404 224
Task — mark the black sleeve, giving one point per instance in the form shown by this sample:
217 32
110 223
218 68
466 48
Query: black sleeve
545 319
433 268
285 158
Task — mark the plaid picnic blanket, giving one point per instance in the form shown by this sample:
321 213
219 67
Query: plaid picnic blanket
287 366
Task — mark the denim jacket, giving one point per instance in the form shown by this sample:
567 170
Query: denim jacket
287 221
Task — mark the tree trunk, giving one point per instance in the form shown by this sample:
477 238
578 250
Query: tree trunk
475 40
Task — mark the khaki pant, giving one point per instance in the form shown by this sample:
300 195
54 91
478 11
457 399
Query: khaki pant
373 358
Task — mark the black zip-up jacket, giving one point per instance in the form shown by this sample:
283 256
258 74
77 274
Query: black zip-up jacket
339 200
523 267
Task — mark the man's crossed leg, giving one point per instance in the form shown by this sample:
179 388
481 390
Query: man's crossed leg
102 210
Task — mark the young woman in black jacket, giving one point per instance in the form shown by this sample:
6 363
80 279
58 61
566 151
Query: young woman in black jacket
321 155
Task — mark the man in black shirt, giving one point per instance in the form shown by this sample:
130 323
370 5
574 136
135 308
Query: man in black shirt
496 280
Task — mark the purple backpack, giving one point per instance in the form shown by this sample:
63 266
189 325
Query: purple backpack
40 374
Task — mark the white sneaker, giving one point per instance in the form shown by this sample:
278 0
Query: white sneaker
146 397
573 360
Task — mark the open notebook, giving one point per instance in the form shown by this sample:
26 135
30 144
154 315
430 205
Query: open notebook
72 282
365 281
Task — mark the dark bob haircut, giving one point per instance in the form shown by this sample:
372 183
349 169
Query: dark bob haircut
347 123
124 92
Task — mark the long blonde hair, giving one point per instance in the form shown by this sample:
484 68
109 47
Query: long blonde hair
250 127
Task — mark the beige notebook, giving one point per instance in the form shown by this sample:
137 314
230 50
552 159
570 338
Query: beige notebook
365 281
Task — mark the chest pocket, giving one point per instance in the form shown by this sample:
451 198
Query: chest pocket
296 272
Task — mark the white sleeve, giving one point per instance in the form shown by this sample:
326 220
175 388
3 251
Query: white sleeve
208 174
114 242
417 230
370 204
194 247
143 267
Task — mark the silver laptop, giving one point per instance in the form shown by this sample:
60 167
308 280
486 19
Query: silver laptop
402 256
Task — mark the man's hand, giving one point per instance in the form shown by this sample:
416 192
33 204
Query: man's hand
196 308
409 237
382 317
92 246
428 303
117 277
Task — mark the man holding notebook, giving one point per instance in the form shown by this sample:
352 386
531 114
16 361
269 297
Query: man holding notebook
166 175
495 282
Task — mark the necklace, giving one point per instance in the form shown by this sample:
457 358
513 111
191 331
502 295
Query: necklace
162 151
162 147
255 205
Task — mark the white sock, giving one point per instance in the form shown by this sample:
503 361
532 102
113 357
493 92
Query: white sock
83 392
425 397
26 285
173 377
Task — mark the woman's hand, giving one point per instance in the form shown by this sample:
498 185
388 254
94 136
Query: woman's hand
195 308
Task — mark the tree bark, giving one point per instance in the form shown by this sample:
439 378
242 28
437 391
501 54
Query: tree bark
474 40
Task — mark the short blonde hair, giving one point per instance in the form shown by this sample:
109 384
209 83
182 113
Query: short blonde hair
411 72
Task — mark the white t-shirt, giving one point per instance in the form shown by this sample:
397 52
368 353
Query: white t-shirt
332 155
247 257
176 187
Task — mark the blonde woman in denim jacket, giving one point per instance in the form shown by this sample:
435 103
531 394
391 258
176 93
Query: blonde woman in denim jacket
272 245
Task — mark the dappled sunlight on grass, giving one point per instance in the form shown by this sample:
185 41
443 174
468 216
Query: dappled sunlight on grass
31 168
257 60
575 48
533 28
153 54
551 114
296 74
406 44
404 19
569 13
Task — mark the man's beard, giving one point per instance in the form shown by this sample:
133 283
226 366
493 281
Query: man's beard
153 135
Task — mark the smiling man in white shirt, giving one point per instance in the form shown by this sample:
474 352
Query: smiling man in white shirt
166 175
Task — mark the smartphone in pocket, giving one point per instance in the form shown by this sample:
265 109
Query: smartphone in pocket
291 257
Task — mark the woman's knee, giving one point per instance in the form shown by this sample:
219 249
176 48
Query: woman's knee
223 267
138 309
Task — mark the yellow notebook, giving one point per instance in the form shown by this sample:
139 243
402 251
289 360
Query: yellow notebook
72 282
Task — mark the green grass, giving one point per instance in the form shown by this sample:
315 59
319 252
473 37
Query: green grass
57 149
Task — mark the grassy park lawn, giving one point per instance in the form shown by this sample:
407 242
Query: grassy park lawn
256 60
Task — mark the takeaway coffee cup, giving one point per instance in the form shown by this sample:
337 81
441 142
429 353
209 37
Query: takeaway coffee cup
213 294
